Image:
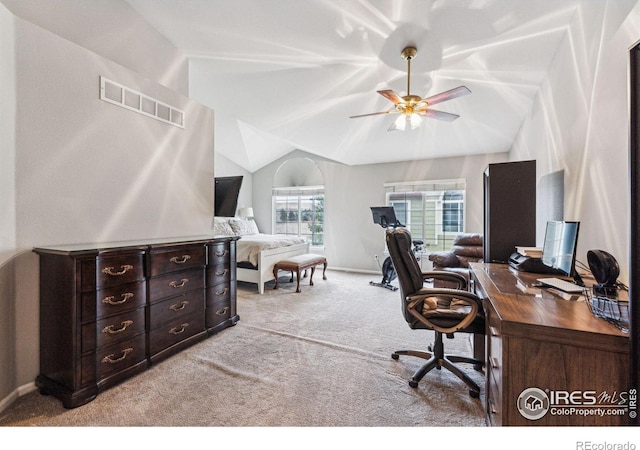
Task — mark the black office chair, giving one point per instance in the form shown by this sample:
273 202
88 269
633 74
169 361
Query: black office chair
445 311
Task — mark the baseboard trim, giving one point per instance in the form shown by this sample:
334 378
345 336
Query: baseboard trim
16 394
345 269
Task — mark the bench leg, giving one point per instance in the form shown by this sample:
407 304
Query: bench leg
313 270
298 279
275 275
324 271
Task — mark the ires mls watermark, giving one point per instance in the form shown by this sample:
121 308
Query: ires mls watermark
535 403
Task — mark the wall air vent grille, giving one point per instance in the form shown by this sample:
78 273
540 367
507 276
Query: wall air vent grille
115 93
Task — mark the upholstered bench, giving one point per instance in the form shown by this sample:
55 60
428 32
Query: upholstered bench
299 263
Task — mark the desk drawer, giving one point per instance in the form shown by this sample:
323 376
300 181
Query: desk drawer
494 402
172 259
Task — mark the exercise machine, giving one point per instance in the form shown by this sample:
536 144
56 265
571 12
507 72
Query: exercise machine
385 216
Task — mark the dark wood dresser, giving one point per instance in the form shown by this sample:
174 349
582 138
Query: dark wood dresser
109 311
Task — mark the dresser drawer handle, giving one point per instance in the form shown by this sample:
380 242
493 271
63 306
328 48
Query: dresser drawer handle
223 311
179 307
222 253
223 273
109 359
177 330
125 269
181 284
494 362
124 325
494 331
222 292
111 300
180 259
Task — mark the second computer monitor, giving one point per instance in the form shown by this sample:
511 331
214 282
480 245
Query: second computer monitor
560 244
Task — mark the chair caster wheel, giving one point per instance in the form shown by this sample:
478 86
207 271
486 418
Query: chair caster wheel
395 356
413 384
474 394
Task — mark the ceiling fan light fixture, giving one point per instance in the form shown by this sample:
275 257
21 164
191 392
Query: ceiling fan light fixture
413 108
404 122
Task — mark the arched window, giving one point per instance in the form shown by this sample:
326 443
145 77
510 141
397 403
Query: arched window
298 200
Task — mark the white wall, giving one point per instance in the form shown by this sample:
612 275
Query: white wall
89 171
580 124
113 29
7 205
351 237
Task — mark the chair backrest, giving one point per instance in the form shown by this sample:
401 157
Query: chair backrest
404 261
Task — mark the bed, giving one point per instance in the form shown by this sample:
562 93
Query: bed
257 252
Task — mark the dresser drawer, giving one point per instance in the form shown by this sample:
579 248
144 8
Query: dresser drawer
112 269
176 307
171 259
218 313
113 359
113 300
219 274
175 331
218 293
221 252
175 283
112 329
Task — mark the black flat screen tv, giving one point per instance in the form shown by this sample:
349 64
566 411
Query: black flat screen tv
227 190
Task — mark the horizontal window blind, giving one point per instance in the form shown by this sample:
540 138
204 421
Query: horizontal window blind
426 186
297 191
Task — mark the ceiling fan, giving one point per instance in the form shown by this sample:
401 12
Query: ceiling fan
414 108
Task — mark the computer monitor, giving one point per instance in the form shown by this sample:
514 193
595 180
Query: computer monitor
559 250
385 216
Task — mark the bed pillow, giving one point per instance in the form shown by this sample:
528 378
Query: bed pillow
243 227
222 228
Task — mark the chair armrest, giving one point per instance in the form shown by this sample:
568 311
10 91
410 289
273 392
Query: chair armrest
416 306
443 275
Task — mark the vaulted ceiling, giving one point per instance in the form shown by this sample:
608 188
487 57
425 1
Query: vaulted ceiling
287 74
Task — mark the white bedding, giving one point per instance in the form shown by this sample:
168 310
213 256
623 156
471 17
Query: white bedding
249 246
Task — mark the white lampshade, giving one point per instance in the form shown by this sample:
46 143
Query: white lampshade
246 212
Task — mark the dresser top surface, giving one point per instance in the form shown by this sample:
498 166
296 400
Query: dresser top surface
95 246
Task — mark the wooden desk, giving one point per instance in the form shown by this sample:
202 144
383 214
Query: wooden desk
549 345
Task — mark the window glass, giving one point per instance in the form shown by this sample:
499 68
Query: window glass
431 210
299 212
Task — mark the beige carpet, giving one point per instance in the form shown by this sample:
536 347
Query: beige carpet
314 359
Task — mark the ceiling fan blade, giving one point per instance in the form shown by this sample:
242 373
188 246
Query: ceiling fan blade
448 95
392 96
373 114
440 115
